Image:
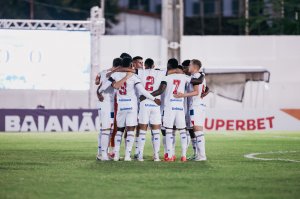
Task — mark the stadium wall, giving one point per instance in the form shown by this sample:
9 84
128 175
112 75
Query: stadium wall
279 54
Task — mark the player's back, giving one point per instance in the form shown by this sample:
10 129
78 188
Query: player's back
108 93
126 94
197 100
151 79
175 84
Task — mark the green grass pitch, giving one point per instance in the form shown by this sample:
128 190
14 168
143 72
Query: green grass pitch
63 165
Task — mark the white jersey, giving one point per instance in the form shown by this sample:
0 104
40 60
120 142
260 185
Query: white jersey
151 79
175 84
126 95
108 94
197 100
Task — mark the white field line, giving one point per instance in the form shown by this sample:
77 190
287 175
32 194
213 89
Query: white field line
253 156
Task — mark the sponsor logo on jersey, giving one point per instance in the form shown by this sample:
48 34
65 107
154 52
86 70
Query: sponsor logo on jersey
176 100
150 105
124 100
177 109
126 109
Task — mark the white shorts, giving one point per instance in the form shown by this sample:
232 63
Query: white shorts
126 116
106 114
197 115
174 116
149 113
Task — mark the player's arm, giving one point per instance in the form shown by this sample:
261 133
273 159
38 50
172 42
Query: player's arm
197 81
145 93
159 91
121 69
162 87
120 83
97 79
195 92
103 87
205 92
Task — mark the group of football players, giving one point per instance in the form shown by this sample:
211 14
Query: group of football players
133 95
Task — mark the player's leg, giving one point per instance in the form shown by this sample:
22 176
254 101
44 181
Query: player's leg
174 142
137 133
168 121
98 157
181 126
194 143
115 129
163 132
106 124
143 124
121 117
198 119
131 123
191 134
155 121
142 141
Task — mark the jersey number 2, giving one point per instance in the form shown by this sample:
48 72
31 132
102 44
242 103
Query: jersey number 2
149 83
122 90
176 82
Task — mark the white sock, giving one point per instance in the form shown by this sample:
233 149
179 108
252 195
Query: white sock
129 143
200 144
156 143
188 139
169 142
174 141
99 143
152 140
105 136
136 141
165 145
141 142
194 144
118 140
183 139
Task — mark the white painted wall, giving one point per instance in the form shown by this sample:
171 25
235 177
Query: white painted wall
145 46
279 54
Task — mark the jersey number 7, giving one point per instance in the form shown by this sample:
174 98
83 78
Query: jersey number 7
176 82
149 83
122 90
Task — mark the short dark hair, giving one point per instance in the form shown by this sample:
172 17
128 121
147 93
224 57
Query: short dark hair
117 62
172 63
197 62
126 62
149 63
136 58
180 67
186 62
123 55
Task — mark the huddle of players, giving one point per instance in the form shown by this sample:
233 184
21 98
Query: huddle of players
165 100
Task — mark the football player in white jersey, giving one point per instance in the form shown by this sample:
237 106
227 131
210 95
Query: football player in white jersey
105 107
174 114
196 107
127 107
137 63
149 111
